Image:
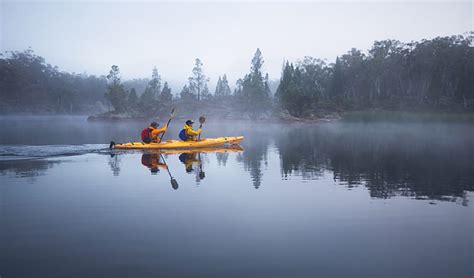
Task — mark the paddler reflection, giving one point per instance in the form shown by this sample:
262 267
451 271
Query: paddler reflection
191 159
153 162
193 163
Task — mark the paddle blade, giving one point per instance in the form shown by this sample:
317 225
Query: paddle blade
173 112
174 184
202 119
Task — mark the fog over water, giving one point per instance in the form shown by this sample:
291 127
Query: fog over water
432 159
333 199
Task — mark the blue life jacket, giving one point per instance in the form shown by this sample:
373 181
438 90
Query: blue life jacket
182 135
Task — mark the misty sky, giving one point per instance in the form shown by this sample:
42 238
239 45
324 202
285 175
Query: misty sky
91 36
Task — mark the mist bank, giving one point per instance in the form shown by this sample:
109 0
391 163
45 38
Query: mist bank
428 76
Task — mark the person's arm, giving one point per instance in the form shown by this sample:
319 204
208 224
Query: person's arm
156 132
163 129
193 132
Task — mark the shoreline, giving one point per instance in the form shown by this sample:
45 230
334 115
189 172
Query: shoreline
373 115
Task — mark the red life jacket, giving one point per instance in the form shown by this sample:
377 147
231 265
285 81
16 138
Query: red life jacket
146 135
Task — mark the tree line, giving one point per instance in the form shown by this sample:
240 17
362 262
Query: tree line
431 74
29 84
251 96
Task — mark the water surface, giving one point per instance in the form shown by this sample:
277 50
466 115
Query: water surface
327 200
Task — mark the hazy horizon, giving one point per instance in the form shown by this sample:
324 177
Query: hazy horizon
90 37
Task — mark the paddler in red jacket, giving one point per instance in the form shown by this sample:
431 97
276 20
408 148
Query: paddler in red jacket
152 133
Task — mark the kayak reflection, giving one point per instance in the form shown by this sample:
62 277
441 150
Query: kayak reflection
154 160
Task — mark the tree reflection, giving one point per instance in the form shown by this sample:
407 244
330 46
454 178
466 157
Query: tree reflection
222 158
27 168
300 153
412 161
114 163
256 146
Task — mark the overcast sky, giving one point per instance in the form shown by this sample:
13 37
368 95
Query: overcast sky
92 36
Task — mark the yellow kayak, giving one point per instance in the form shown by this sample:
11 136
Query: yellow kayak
177 144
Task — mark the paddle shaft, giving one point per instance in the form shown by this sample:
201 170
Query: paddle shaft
202 120
168 124
167 168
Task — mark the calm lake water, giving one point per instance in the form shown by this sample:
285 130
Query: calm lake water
321 200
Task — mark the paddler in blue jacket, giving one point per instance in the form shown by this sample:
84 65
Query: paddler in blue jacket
188 133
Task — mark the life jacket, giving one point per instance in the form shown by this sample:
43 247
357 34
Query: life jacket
146 160
182 135
146 135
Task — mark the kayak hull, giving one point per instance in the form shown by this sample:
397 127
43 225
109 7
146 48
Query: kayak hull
176 144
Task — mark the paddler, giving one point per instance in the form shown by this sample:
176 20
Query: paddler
188 133
152 133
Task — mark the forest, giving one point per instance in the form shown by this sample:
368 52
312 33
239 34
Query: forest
428 75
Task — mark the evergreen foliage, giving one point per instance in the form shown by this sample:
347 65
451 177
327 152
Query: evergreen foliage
198 82
254 92
133 99
166 96
116 94
431 74
29 84
222 88
428 75
186 94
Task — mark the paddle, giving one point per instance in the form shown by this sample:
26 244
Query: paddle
174 182
202 120
202 175
167 125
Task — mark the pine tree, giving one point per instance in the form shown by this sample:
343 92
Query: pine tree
206 94
255 94
222 88
225 86
133 99
290 93
218 91
116 94
155 83
198 81
186 94
166 95
238 89
149 98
